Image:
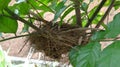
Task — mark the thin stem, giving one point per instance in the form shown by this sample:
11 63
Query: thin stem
29 34
16 17
79 29
95 13
114 39
106 13
23 46
77 12
38 18
14 37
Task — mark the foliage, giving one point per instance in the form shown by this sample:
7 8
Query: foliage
88 55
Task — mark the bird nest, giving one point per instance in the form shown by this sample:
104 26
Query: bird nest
55 40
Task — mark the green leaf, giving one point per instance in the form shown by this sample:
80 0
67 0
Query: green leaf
66 13
117 5
53 4
44 6
59 9
85 56
97 18
113 27
110 56
71 18
104 25
59 12
25 28
59 6
46 2
91 12
84 6
35 4
98 35
4 4
22 7
107 3
112 30
8 25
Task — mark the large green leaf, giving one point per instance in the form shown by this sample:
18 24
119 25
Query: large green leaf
4 4
110 56
85 56
113 27
98 35
8 25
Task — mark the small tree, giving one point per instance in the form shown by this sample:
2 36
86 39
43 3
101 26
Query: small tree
87 52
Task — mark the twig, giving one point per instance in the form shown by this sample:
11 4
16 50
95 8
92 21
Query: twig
5 39
95 13
23 46
106 13
79 29
109 40
16 17
38 18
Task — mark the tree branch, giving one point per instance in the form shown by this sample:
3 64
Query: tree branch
95 13
77 12
5 39
106 13
14 37
16 17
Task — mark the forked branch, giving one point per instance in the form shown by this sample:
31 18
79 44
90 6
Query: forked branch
106 13
95 13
